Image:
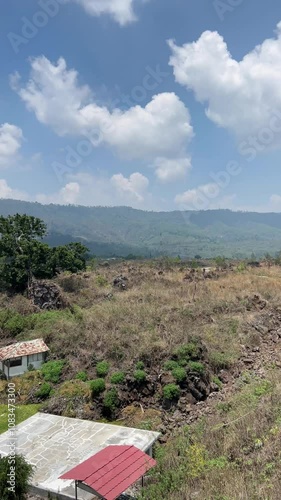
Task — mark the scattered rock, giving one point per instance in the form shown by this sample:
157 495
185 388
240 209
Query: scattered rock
261 329
224 376
248 361
256 302
121 282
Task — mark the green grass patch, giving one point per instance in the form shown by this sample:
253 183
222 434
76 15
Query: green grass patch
101 281
220 360
73 388
22 413
217 381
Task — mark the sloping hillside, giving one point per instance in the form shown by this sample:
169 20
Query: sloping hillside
197 358
119 231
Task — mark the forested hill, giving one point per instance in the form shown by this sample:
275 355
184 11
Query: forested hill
120 231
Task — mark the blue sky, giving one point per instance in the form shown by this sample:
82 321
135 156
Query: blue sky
96 107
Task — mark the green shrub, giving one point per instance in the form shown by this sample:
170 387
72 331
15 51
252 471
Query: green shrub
197 367
140 365
44 391
217 381
117 378
140 376
241 267
263 388
14 323
23 474
182 362
52 371
82 376
101 281
224 407
188 351
102 368
77 312
44 321
179 374
219 360
97 386
171 365
5 315
111 400
171 391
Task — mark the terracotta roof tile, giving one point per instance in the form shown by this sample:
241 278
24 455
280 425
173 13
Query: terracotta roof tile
23 349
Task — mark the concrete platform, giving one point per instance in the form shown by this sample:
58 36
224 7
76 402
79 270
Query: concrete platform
56 444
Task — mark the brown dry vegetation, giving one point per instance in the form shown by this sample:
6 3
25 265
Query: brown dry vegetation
224 448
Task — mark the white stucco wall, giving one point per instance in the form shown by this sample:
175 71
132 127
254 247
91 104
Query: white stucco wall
14 371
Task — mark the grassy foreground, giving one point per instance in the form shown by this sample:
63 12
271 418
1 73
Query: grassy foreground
232 454
22 413
232 449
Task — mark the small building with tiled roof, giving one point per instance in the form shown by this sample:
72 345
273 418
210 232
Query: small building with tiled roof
16 358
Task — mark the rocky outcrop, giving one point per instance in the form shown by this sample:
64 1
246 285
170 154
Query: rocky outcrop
46 295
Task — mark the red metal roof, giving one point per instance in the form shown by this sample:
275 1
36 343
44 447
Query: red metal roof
112 471
23 349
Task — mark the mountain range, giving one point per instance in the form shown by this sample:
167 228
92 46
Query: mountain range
120 231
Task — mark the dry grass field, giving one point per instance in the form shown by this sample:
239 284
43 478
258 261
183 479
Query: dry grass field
222 337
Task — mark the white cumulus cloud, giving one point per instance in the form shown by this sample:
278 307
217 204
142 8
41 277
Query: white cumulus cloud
275 202
6 192
91 190
121 11
204 197
168 169
134 186
161 129
241 96
68 195
10 142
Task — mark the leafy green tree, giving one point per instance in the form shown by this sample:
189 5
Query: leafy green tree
71 257
20 249
15 474
23 255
